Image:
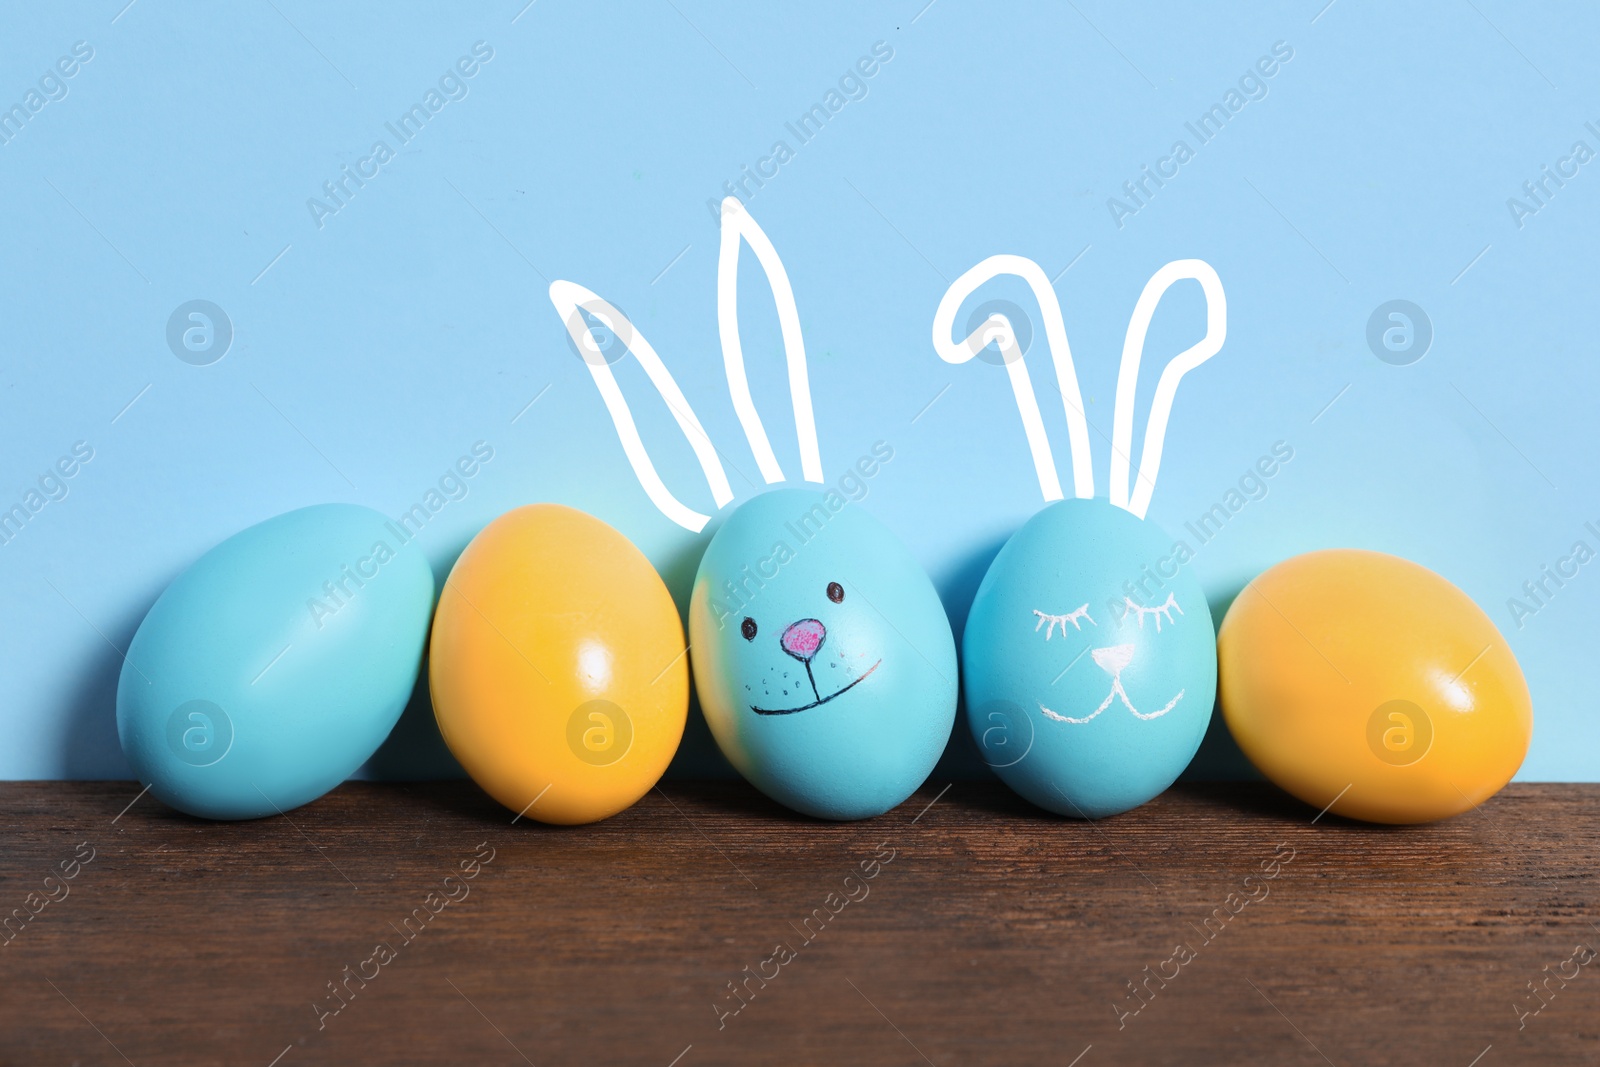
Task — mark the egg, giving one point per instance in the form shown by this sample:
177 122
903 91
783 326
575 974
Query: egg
822 655
1090 661
1370 686
276 664
558 667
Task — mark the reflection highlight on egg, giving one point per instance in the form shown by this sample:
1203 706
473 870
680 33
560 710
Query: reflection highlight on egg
594 664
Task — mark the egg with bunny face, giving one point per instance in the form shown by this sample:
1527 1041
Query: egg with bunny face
822 655
1090 661
1089 654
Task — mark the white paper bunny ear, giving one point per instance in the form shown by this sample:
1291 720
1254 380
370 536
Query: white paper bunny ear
737 226
996 329
571 301
1167 386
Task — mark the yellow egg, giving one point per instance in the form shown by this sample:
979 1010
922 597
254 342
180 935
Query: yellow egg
1369 682
558 667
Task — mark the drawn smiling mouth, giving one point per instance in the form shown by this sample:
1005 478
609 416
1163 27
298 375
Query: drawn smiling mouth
1113 661
820 699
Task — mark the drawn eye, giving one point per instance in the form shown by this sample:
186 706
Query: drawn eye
1160 611
1050 622
836 592
748 628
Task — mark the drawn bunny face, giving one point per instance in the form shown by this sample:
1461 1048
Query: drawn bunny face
1089 656
822 655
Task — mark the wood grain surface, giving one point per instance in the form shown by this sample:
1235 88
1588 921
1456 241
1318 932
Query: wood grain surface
963 928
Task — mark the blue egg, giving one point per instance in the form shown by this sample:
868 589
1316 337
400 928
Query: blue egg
822 655
1090 661
276 664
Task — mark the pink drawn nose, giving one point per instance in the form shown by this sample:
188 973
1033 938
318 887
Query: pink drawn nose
802 639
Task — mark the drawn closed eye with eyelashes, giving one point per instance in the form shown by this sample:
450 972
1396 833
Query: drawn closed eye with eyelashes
1050 622
1161 611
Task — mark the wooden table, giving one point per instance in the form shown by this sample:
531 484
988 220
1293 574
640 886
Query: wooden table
963 928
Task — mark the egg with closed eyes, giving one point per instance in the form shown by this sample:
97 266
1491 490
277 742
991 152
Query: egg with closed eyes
822 655
1089 656
1090 661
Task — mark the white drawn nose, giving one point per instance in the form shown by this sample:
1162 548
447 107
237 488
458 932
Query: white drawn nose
1113 658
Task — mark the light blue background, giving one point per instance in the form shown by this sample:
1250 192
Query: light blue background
378 348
